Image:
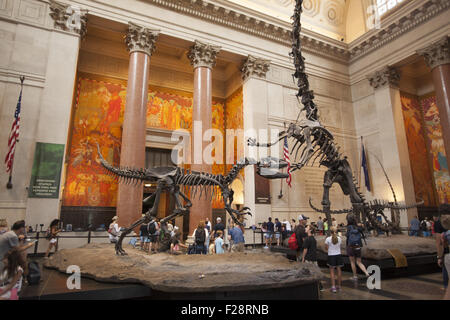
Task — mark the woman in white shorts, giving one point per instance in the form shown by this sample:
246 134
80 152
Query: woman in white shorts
52 236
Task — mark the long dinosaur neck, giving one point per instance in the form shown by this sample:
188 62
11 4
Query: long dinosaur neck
229 178
304 92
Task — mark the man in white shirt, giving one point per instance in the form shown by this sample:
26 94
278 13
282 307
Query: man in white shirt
287 225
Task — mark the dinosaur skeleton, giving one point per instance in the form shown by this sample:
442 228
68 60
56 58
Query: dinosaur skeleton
174 179
313 142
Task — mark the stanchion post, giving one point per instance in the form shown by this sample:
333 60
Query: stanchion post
37 242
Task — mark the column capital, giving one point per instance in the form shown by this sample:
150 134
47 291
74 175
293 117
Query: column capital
437 53
254 66
388 76
68 18
141 39
202 54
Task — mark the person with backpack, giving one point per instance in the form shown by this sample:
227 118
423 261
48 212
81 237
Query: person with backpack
300 235
355 234
335 261
153 228
52 237
11 275
114 230
424 228
200 235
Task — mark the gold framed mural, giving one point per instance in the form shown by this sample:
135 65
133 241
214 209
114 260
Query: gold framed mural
98 117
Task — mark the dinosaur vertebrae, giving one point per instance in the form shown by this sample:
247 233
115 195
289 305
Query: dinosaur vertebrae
200 183
306 95
322 147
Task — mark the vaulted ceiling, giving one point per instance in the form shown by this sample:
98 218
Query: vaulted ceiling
343 20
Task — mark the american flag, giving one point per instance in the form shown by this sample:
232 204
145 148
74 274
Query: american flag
288 160
13 136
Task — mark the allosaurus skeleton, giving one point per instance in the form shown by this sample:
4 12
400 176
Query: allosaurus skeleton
174 179
314 143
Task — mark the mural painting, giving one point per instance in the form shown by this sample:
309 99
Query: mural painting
98 117
421 171
433 133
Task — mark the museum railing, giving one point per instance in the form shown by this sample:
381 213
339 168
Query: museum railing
88 235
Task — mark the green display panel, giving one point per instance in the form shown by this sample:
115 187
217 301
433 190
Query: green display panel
46 172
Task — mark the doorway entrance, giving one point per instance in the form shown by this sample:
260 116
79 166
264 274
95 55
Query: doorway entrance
159 157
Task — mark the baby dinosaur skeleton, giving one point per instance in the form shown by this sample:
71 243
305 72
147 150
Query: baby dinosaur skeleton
314 143
173 179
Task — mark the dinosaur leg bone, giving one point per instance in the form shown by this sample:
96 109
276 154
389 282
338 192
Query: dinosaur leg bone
151 213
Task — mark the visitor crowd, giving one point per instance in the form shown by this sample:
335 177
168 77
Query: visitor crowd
424 228
13 259
298 234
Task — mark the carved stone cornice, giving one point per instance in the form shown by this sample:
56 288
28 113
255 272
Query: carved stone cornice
203 54
388 76
68 18
217 14
437 54
254 67
312 42
141 39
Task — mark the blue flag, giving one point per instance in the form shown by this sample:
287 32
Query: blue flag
365 167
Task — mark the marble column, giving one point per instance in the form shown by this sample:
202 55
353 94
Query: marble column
255 110
203 58
140 42
394 147
437 57
69 26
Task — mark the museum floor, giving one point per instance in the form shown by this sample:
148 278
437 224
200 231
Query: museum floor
415 287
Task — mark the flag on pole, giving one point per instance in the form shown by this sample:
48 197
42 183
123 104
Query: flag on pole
288 160
364 165
14 134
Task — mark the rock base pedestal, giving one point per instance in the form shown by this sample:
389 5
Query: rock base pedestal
226 276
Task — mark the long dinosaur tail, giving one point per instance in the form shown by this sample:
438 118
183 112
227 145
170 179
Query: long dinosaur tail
331 211
387 177
127 175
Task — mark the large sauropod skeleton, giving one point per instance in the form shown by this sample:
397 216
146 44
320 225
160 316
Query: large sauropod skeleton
174 179
313 142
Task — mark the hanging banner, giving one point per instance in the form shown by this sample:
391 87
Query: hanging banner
262 189
46 172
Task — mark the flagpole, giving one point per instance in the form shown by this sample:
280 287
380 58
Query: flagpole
360 164
9 184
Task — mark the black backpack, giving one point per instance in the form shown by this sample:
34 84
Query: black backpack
200 236
423 225
34 273
354 237
152 228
